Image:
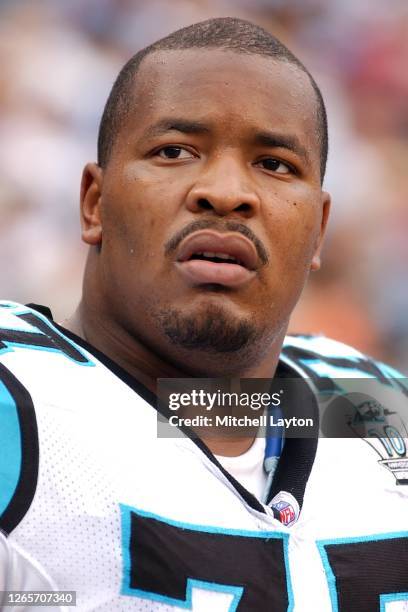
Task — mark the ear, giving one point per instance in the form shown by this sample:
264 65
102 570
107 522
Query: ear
326 201
91 188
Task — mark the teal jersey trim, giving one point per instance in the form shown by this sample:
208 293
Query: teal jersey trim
10 447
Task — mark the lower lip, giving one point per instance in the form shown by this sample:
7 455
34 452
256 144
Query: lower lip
199 272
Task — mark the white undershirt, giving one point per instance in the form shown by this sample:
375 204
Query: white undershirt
248 468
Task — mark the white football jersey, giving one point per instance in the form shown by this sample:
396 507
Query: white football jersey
131 521
19 575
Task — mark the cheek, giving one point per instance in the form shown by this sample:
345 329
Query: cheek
135 225
294 228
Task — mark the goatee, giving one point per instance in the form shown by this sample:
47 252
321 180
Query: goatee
212 331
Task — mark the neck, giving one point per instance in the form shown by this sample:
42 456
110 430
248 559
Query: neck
146 366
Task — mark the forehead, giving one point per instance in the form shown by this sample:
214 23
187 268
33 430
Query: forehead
233 91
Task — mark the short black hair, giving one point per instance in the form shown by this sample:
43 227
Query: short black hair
227 33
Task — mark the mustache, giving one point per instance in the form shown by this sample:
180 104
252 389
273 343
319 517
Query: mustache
230 226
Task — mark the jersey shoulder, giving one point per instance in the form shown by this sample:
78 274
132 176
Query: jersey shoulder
24 329
325 357
33 358
11 315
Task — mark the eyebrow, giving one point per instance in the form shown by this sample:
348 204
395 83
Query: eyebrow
263 139
178 125
282 141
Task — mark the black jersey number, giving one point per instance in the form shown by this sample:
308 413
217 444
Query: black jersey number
42 336
366 574
165 560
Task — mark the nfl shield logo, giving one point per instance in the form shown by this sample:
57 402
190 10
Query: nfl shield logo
286 513
287 508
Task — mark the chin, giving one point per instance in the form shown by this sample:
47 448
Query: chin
210 328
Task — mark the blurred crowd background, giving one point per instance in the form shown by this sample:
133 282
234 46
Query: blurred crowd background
58 61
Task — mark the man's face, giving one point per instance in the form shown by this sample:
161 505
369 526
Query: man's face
211 210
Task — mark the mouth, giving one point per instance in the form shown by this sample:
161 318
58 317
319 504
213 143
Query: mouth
208 257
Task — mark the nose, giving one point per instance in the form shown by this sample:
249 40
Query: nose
224 188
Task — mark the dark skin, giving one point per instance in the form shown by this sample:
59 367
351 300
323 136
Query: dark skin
239 145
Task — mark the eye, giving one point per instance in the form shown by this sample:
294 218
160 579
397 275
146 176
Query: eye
275 165
174 153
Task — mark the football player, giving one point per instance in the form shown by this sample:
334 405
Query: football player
204 216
